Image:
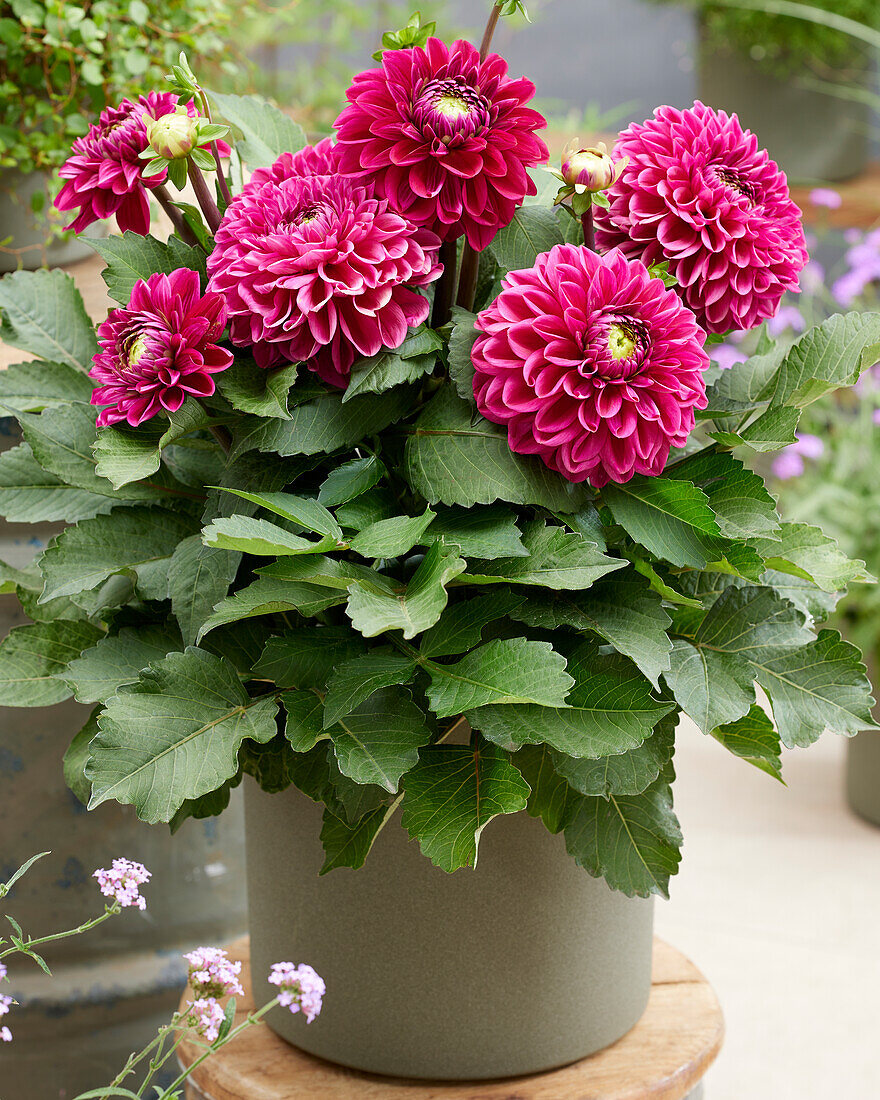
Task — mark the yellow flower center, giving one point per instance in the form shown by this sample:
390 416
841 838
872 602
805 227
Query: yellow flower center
451 106
621 341
136 350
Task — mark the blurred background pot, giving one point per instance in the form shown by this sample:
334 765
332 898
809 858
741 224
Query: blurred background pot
863 764
521 965
30 238
111 988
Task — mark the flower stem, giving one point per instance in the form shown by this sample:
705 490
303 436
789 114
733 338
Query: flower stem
467 279
445 292
224 186
223 436
110 911
177 220
489 31
204 196
587 223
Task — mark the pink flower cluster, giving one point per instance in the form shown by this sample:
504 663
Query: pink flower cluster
122 883
212 973
300 988
5 1005
205 1015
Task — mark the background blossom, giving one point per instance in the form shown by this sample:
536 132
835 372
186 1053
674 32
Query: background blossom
122 882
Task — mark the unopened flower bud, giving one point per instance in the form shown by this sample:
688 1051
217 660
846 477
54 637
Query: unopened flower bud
172 136
591 169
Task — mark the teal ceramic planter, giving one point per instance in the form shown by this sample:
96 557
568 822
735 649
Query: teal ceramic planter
521 965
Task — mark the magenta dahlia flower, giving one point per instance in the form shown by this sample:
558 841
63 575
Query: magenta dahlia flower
318 269
698 192
591 364
313 160
159 350
445 137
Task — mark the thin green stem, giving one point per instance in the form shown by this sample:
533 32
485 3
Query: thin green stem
111 911
489 31
176 218
204 196
589 231
444 295
467 279
224 186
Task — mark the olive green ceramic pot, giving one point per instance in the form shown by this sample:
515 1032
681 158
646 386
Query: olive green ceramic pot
522 965
31 240
863 764
811 135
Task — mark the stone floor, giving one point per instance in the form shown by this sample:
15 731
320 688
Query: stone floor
778 902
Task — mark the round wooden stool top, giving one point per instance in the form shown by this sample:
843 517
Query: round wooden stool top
664 1057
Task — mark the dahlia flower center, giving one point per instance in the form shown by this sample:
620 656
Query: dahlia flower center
450 107
734 182
622 342
135 349
615 347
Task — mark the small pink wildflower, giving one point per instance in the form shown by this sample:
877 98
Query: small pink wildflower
827 197
212 973
3 971
301 988
121 882
5 1035
205 1014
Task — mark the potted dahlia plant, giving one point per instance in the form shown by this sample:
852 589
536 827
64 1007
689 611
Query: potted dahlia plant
414 502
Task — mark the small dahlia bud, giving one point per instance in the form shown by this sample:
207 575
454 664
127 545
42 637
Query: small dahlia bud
591 168
172 136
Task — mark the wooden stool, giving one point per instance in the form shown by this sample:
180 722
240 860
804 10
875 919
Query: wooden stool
664 1057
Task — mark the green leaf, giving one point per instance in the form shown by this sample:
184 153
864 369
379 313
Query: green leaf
131 257
534 229
371 506
175 734
556 559
609 710
81 557
816 687
753 739
625 773
323 425
265 131
452 794
504 671
742 387
461 626
269 595
198 579
486 532
710 687
255 390
552 800
37 385
416 357
348 845
98 672
412 608
125 454
354 681
33 656
42 312
304 657
29 494
659 585
378 742
303 727
391 538
828 356
633 842
742 506
77 757
772 431
453 456
670 518
805 552
308 513
350 480
624 611
259 537
461 342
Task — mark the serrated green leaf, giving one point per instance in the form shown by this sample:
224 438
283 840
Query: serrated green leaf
461 342
350 480
309 514
461 626
304 657
355 680
533 230
33 656
773 430
453 456
671 519
624 611
743 508
741 388
37 385
259 537
378 742
486 532
348 845
805 552
391 538
42 312
828 356
452 794
199 577
255 390
633 842
626 773
77 757
551 799
175 734
265 131
303 728
81 557
98 672
411 608
504 671
125 454
269 595
753 739
29 494
609 710
416 357
131 257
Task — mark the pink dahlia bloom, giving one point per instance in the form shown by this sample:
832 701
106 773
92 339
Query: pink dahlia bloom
158 350
591 364
445 137
318 269
313 160
698 192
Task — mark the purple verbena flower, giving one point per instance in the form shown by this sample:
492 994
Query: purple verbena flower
726 355
5 1035
787 465
810 446
5 1004
300 988
121 882
813 277
205 1014
788 317
212 973
826 196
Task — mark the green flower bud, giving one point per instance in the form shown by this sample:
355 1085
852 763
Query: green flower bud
172 136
